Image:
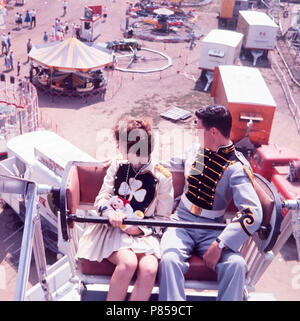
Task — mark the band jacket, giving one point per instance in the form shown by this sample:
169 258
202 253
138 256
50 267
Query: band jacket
212 181
150 191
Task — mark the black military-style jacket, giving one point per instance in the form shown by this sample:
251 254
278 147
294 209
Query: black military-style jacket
213 180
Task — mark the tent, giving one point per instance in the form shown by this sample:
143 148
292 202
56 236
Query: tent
70 55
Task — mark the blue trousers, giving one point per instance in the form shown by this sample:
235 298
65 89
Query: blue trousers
178 244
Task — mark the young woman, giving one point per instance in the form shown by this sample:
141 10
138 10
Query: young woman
148 188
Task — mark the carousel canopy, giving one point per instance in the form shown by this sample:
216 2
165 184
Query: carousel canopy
70 55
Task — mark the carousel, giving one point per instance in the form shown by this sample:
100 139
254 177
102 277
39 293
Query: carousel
69 68
162 22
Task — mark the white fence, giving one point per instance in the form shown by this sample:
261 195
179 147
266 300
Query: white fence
18 107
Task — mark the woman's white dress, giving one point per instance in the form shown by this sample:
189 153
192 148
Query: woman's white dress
151 191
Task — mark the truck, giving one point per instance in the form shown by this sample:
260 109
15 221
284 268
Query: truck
286 179
269 158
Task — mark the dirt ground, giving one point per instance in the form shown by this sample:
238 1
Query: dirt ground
87 124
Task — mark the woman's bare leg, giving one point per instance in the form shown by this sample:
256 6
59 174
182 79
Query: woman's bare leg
126 264
147 270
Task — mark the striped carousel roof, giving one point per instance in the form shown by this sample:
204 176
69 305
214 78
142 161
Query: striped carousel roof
70 54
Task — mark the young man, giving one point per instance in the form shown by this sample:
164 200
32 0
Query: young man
64 5
215 174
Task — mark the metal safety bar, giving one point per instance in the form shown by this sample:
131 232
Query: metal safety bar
27 243
32 241
148 222
32 235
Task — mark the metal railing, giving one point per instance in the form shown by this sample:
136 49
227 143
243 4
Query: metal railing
32 239
20 103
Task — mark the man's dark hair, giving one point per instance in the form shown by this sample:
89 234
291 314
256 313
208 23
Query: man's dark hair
216 116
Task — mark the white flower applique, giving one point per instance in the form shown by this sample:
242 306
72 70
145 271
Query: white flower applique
133 189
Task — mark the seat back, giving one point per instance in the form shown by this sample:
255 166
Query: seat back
83 183
80 185
272 213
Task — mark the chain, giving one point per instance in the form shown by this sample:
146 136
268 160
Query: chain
138 172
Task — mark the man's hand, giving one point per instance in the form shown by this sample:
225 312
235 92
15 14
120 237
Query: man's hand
212 255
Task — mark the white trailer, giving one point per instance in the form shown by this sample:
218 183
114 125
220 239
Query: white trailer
259 32
219 47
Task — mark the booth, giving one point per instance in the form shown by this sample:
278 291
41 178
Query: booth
90 23
244 92
219 47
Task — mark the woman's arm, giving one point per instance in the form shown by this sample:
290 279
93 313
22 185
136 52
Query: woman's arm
107 188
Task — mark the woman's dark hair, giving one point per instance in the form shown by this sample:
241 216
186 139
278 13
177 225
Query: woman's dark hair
134 135
216 116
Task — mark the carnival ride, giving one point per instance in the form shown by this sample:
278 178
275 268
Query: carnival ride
125 44
69 68
153 21
162 19
66 280
147 61
130 56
